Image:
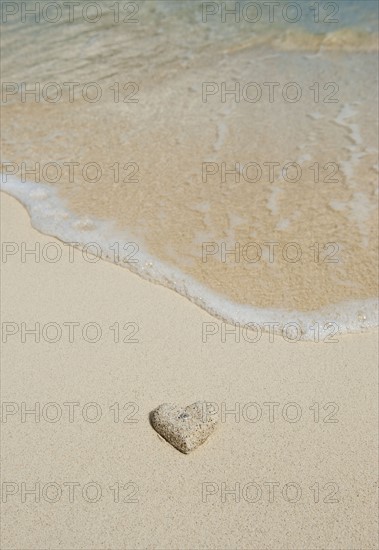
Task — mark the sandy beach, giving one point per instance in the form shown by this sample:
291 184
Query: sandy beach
294 467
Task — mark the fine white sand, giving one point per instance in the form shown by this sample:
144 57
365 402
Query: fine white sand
171 363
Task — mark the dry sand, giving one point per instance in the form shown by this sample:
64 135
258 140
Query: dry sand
170 363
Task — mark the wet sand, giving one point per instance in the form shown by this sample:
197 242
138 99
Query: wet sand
172 363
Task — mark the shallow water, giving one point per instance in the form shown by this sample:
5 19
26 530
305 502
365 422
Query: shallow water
238 158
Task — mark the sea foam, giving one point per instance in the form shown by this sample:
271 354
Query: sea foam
51 216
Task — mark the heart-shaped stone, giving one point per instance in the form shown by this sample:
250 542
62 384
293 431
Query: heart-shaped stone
185 428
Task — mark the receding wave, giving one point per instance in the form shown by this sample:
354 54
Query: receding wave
240 159
50 216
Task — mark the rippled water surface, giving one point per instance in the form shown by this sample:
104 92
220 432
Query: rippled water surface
239 158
